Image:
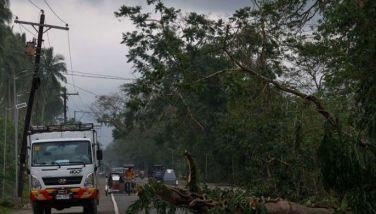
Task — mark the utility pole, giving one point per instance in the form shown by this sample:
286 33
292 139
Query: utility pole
65 98
15 115
4 153
34 87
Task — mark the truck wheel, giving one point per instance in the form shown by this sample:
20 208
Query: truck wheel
90 207
37 208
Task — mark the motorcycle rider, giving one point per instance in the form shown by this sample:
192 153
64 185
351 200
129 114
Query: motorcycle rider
129 176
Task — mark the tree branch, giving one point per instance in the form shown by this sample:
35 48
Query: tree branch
311 98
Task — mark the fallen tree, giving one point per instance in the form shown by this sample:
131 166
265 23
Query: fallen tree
166 199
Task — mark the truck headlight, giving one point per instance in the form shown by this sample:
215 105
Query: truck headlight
177 182
89 181
35 183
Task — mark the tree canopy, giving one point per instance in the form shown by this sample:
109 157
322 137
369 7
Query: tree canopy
278 98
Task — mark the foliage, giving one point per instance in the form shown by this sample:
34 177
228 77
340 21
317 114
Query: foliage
51 75
348 168
237 92
15 81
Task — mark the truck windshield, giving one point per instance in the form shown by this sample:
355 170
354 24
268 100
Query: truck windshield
61 153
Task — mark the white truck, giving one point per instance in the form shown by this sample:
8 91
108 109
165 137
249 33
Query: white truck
62 164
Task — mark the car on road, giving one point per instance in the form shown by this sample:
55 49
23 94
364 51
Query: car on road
156 172
169 177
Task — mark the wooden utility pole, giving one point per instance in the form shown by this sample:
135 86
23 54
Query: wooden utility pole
65 98
34 86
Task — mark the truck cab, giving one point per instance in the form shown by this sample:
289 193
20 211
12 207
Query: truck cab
63 161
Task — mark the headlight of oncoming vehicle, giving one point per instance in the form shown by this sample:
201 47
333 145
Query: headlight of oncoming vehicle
35 184
89 181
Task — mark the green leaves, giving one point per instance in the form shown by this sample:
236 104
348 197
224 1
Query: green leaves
348 168
243 129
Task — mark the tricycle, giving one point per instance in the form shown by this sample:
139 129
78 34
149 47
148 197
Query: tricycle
114 184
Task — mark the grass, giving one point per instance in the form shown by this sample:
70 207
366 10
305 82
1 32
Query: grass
4 210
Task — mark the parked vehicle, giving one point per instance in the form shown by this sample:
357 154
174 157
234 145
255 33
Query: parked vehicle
169 177
156 172
63 160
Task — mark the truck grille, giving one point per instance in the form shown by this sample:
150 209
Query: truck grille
62 180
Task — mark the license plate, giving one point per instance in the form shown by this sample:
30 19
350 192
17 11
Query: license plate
62 197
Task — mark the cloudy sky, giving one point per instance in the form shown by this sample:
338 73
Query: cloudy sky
95 36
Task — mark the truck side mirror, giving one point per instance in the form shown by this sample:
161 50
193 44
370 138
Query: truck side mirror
99 154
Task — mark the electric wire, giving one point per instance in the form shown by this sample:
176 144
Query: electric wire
68 38
72 100
34 34
53 11
79 95
84 90
70 58
48 39
101 77
31 2
21 31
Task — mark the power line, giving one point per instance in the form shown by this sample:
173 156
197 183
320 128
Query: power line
70 58
48 39
31 2
34 34
75 104
48 5
103 75
21 31
100 77
84 90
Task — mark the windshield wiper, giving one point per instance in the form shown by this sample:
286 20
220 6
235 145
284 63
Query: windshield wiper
56 163
82 162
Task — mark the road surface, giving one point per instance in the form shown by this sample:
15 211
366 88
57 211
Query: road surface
111 204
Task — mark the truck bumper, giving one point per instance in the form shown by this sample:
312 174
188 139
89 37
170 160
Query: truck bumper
76 194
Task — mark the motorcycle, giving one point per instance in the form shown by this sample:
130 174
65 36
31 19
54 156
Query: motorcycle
129 186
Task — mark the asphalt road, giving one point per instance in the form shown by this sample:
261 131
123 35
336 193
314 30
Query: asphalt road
116 203
123 201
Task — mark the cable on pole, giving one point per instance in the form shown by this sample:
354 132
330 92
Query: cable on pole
48 39
84 90
52 10
101 77
34 34
31 2
70 58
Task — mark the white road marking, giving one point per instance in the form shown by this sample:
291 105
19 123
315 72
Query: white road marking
115 204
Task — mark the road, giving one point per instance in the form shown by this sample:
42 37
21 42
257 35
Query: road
107 205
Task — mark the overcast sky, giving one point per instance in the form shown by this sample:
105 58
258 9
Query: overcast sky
95 36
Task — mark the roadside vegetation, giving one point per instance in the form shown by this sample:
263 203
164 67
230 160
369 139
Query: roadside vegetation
16 70
278 98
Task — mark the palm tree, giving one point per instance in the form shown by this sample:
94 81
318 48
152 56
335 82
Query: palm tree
12 62
5 16
48 101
